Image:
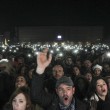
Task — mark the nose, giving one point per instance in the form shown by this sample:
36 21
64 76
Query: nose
64 92
16 104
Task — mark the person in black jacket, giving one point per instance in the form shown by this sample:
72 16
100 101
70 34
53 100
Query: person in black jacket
63 99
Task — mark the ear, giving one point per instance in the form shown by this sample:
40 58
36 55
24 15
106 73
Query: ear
73 90
27 106
56 90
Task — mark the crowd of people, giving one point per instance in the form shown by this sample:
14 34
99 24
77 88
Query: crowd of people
50 81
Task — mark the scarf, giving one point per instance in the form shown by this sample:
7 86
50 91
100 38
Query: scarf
70 107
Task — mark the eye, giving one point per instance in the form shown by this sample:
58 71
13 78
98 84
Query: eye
68 88
104 84
98 85
21 101
13 100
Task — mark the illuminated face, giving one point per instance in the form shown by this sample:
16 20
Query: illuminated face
19 102
65 94
76 71
20 82
97 72
58 71
101 88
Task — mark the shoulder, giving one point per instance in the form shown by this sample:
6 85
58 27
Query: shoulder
79 105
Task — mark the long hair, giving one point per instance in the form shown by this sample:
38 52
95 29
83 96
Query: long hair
25 92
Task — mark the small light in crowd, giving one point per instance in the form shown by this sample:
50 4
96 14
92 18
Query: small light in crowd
85 50
14 51
51 51
108 54
17 48
57 49
29 55
76 51
60 54
36 53
3 50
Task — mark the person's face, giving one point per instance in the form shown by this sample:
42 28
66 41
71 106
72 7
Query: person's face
58 71
20 61
65 94
78 63
76 71
69 61
19 102
101 88
88 77
97 72
106 68
87 63
20 82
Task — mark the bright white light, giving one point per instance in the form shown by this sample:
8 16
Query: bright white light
76 51
57 49
14 51
3 50
51 51
6 60
108 54
59 36
60 54
29 55
36 53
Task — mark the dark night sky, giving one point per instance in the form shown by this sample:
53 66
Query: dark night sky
53 13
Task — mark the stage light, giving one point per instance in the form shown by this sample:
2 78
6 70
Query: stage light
59 37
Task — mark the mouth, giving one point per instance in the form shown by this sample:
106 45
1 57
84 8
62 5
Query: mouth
65 98
104 90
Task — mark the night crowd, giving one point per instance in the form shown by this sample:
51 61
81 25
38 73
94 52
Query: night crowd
55 76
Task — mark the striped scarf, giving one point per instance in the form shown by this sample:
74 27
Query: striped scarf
70 107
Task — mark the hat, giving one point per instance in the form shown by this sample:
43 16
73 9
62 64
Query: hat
64 80
97 66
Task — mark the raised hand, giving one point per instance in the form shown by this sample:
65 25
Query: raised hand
42 60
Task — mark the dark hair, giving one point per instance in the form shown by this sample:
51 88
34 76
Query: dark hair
25 92
92 88
25 77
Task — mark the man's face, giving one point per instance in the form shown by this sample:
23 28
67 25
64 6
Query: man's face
87 63
65 94
106 68
69 61
58 71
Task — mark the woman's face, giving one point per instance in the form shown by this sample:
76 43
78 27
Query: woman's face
97 72
19 102
76 71
88 77
101 88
